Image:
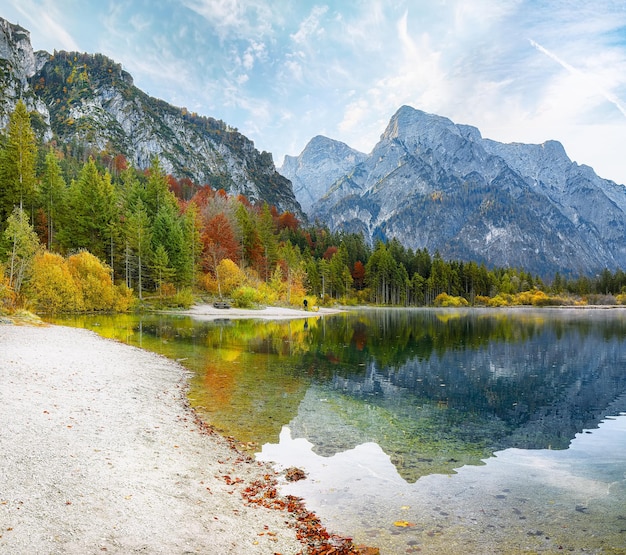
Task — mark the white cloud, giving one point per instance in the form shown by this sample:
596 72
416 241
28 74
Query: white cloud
255 51
233 19
310 28
294 69
586 81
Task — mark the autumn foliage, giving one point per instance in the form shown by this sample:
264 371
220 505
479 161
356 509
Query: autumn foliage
165 238
80 283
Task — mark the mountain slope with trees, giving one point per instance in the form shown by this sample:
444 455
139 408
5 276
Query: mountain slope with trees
85 228
77 236
89 104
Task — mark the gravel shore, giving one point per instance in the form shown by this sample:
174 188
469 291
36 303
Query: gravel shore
100 454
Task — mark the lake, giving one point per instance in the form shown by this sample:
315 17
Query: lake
424 430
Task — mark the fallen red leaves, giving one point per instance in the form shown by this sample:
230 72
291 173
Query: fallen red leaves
309 529
294 474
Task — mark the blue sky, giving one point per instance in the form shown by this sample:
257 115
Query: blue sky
284 71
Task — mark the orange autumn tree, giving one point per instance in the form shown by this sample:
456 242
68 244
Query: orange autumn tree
358 275
218 243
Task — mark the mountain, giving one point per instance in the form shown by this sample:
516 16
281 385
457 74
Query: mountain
322 161
432 183
90 101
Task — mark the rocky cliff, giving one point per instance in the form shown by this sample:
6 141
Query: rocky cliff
90 100
322 161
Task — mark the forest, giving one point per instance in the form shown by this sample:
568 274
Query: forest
85 231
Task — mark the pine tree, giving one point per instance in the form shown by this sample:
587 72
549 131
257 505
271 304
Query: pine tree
92 219
191 244
161 269
167 232
17 164
157 192
52 194
269 242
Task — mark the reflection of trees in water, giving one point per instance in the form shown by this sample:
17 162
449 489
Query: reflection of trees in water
470 383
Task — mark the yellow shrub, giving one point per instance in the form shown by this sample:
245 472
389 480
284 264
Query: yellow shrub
445 300
7 295
93 277
52 287
124 299
501 299
246 297
268 293
209 283
534 297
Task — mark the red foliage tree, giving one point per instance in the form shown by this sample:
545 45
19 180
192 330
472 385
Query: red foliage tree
174 186
219 242
244 200
288 221
358 275
330 252
120 163
203 197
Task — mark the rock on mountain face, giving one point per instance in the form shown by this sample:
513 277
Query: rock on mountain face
17 63
89 100
322 161
431 183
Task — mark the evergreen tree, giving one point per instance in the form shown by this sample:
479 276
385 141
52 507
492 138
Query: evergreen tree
191 243
250 240
382 275
167 232
269 242
161 270
340 277
17 164
138 239
52 194
92 221
290 255
157 189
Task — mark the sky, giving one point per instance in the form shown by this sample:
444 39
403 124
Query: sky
284 71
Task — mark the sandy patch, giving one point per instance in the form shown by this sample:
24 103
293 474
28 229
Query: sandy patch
209 312
101 455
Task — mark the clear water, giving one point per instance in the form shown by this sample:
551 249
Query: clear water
425 431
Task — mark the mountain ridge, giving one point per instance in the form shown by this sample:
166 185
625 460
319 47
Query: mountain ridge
431 183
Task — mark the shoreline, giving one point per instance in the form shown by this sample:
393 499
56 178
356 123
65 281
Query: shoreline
206 311
102 453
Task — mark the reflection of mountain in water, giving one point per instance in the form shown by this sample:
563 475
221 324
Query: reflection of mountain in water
462 403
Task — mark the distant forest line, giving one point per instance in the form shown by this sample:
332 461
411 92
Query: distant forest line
84 231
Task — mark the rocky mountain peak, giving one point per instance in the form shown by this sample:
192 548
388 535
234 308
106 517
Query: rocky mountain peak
18 63
16 50
421 127
318 166
432 183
